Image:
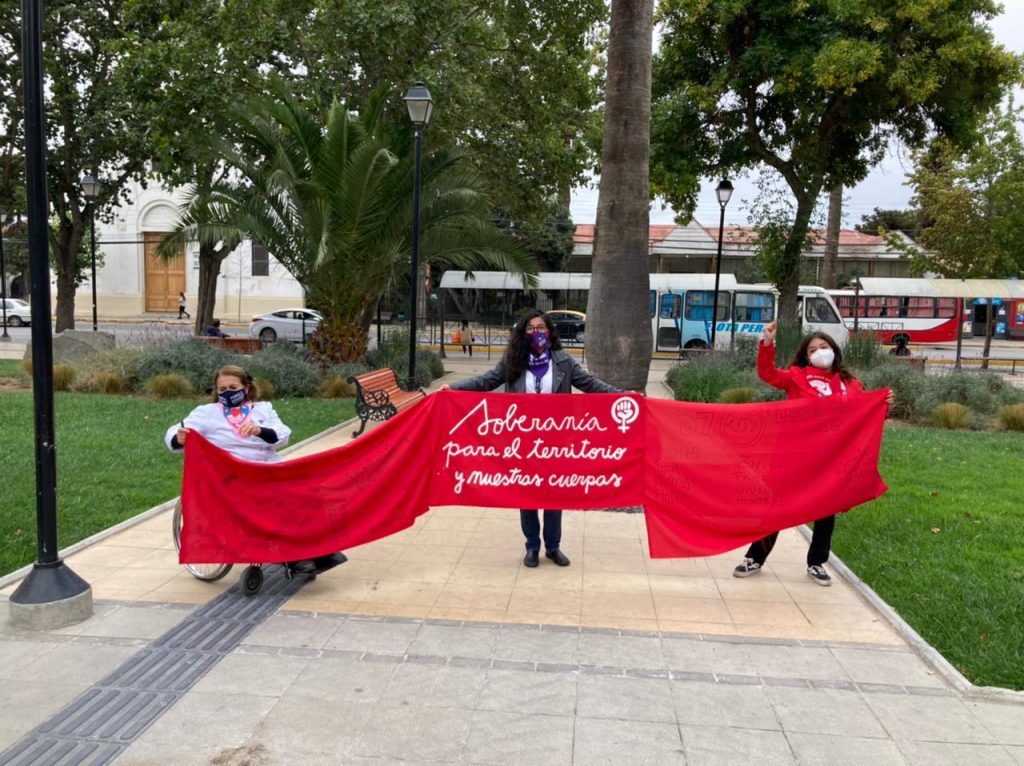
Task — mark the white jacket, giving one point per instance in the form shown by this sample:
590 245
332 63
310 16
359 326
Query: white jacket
209 420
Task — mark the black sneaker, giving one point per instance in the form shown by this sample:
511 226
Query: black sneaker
817 573
747 568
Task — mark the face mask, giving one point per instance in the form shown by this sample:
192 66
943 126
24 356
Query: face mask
823 358
538 341
232 398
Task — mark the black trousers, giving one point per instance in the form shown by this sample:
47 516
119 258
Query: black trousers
817 553
529 520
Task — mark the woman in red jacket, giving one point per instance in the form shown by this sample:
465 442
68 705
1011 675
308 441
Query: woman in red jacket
816 370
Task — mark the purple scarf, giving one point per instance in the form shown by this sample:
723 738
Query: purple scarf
539 364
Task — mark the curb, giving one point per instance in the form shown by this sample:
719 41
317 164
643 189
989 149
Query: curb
922 648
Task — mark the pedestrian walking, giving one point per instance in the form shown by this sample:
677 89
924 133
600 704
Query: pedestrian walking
181 307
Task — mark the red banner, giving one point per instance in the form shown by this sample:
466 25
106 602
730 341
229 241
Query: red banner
711 477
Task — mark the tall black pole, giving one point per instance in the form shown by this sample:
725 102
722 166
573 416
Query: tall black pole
50 580
414 281
92 242
960 308
718 274
3 280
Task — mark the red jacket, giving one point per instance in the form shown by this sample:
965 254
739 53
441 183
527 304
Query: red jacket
802 382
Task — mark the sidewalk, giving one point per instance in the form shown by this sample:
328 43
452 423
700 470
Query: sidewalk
436 645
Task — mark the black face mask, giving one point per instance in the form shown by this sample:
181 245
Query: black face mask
233 398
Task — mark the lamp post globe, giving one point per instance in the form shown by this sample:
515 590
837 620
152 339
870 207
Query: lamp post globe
91 189
421 108
723 192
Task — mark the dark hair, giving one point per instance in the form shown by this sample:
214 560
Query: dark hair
215 322
800 358
252 393
517 354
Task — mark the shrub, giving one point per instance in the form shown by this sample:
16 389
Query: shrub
265 388
345 370
906 383
862 350
109 382
26 365
169 386
121 362
63 377
704 378
336 387
193 359
286 368
1011 417
742 395
951 415
393 352
971 389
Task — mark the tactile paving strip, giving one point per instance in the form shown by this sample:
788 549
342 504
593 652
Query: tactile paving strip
96 726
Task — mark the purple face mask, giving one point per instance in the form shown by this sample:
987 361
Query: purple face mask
538 341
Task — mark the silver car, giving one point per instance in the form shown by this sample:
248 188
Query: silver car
286 324
18 313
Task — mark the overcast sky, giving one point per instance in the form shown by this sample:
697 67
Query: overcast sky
883 188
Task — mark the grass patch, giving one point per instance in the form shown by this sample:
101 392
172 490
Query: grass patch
10 368
111 461
944 548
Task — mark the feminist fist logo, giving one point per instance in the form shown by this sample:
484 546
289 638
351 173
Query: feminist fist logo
624 412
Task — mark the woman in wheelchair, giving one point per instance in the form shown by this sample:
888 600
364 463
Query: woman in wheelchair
248 429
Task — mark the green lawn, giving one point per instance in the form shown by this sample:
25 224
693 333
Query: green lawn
945 545
111 461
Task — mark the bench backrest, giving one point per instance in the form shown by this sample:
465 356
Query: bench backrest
380 380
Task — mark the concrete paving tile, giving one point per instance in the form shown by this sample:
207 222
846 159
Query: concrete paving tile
615 562
9 736
375 636
519 738
415 685
79 663
454 641
604 545
132 622
212 720
678 567
676 608
425 733
368 609
408 592
520 643
493 556
320 607
529 692
935 719
240 673
602 742
295 729
183 753
1017 753
633 699
723 746
429 571
532 617
336 678
616 582
619 622
710 704
679 586
621 651
543 601
824 711
334 588
1005 720
456 525
807 592
107 554
474 575
460 614
474 597
27 703
293 631
693 655
887 667
953 754
19 654
766 613
831 750
753 589
838 614
549 576
796 662
625 606
380 550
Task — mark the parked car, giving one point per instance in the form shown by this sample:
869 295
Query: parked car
18 313
286 324
570 325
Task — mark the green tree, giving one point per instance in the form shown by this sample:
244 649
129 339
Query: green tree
329 193
815 90
880 221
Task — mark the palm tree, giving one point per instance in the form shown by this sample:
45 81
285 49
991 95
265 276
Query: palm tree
331 198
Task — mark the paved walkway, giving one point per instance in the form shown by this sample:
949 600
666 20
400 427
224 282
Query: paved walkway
437 646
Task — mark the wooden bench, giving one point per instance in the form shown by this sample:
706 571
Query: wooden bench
378 396
240 344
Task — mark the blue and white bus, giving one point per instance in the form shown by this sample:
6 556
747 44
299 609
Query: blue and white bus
681 305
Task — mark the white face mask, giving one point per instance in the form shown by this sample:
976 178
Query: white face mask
823 358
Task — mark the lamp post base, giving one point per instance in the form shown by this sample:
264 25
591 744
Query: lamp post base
51 597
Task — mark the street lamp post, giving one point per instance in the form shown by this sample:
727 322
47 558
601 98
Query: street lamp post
723 192
421 107
3 273
91 189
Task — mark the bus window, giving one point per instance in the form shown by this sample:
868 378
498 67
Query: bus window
946 307
818 311
754 307
699 305
882 306
670 303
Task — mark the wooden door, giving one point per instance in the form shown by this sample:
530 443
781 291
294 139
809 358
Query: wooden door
164 279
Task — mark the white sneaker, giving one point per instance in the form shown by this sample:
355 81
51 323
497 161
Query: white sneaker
817 573
747 568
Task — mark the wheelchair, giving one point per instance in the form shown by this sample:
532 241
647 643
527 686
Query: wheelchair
252 577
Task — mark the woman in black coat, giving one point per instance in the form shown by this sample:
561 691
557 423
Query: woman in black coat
534 363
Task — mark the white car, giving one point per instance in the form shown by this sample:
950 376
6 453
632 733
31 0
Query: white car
18 313
286 324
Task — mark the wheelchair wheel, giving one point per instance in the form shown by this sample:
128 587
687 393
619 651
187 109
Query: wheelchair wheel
252 580
206 572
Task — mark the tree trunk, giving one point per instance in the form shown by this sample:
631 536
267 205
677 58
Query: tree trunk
619 341
66 257
206 300
787 280
990 324
835 216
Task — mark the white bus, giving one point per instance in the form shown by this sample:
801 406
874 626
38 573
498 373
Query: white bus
681 305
